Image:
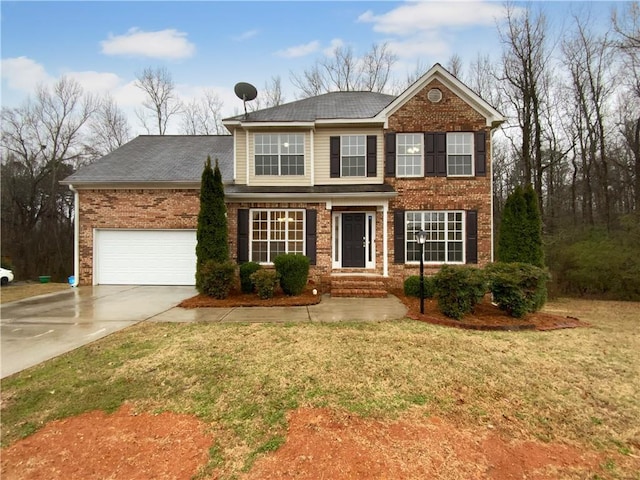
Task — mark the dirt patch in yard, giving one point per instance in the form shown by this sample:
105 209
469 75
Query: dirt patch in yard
238 299
321 443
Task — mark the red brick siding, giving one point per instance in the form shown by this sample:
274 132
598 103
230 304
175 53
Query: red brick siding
439 193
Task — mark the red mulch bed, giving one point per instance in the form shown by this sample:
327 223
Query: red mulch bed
487 316
239 299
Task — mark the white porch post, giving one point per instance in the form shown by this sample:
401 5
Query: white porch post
385 248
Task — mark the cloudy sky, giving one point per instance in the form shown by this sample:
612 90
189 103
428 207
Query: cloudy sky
214 45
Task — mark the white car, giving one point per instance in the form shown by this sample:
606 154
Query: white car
6 276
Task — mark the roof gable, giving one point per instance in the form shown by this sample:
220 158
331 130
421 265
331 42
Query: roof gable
437 72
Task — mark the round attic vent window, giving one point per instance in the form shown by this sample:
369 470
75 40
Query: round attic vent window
434 95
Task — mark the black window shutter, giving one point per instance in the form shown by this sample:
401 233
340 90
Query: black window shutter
243 235
390 154
311 232
398 236
480 154
441 154
334 157
429 154
372 160
472 236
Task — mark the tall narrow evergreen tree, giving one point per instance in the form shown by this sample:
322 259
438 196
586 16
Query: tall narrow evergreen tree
212 230
533 238
520 237
512 229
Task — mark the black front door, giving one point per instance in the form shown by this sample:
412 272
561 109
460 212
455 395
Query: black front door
353 240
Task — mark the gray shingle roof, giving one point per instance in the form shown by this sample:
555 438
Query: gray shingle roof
317 189
156 158
327 106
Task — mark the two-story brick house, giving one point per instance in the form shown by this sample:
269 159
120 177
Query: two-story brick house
345 178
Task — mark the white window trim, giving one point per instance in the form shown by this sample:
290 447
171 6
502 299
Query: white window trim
304 230
418 175
280 174
342 137
446 262
473 160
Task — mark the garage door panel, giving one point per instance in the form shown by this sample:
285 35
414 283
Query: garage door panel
145 257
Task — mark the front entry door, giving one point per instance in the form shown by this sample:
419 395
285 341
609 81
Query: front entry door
353 240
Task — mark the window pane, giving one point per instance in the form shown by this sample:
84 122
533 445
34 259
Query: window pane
353 151
460 153
275 232
409 154
444 236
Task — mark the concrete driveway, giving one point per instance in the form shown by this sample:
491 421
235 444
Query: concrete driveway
37 329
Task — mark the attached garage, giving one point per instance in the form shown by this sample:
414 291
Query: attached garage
144 257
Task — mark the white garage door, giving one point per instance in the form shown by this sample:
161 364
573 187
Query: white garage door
145 257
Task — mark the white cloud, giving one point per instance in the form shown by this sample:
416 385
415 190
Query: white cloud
335 43
299 50
246 35
418 46
414 17
23 74
168 43
96 82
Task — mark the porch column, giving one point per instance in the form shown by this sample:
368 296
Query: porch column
385 249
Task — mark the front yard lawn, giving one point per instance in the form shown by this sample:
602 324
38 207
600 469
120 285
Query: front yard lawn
578 386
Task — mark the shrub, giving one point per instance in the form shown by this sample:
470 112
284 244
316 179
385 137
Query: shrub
294 272
265 282
246 269
459 289
520 236
412 286
215 279
518 288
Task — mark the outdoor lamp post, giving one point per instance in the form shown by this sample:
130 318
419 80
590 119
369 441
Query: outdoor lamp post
421 237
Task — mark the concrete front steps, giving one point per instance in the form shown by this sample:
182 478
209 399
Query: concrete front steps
359 286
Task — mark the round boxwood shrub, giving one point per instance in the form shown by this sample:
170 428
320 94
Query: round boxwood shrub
216 279
294 272
412 286
246 269
459 289
265 281
517 288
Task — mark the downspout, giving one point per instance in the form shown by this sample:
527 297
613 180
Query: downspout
76 236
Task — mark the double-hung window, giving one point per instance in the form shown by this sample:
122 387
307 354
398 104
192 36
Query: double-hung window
279 154
274 232
353 156
409 154
445 236
459 154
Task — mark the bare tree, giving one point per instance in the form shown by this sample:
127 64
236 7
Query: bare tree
41 145
627 29
270 96
524 64
161 102
589 58
108 127
454 65
203 116
343 71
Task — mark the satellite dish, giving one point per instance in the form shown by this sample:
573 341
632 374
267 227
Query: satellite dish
245 92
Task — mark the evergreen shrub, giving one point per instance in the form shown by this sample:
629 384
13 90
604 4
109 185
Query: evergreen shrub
246 269
459 289
265 281
412 286
216 279
294 272
518 288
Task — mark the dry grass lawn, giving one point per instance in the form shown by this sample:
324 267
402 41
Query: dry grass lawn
22 290
578 386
